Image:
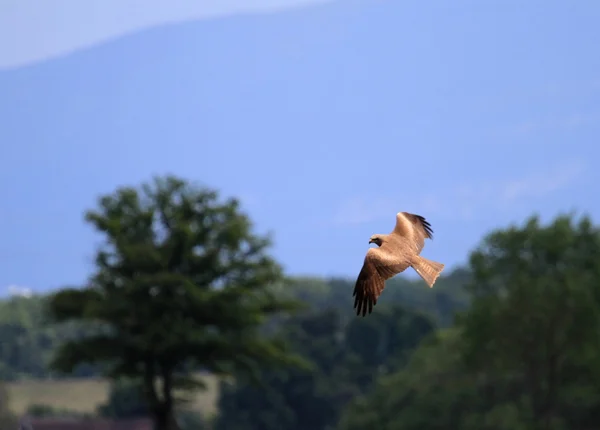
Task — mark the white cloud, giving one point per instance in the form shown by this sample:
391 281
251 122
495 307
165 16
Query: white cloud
32 31
17 290
463 201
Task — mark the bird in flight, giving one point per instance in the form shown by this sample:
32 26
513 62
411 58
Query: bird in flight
395 253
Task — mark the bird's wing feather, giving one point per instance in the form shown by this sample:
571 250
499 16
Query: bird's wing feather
421 224
378 266
415 228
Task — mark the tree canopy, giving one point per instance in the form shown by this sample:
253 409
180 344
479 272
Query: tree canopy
181 283
346 360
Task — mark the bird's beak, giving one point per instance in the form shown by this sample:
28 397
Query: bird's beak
370 241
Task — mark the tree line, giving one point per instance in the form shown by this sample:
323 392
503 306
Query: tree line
29 341
183 284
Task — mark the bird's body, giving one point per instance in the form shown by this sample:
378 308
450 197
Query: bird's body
395 253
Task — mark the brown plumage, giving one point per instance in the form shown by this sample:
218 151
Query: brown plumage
395 253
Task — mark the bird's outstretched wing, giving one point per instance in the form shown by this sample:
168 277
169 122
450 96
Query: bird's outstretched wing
414 227
379 266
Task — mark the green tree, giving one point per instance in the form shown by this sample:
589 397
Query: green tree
383 343
535 319
27 340
181 283
24 340
434 391
294 399
346 358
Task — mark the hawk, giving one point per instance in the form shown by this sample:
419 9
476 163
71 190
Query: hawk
395 253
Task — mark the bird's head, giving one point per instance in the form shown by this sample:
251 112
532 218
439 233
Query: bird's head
377 239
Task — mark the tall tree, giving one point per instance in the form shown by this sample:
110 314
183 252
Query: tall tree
535 320
181 283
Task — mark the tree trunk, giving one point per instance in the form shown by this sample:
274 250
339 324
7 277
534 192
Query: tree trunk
161 407
164 418
167 410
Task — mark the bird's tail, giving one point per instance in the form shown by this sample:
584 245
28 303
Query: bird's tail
428 270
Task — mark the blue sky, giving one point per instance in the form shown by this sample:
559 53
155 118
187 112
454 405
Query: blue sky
326 119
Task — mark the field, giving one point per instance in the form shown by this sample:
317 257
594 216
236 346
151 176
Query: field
84 395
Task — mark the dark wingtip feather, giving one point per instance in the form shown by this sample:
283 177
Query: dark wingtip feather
426 226
362 304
